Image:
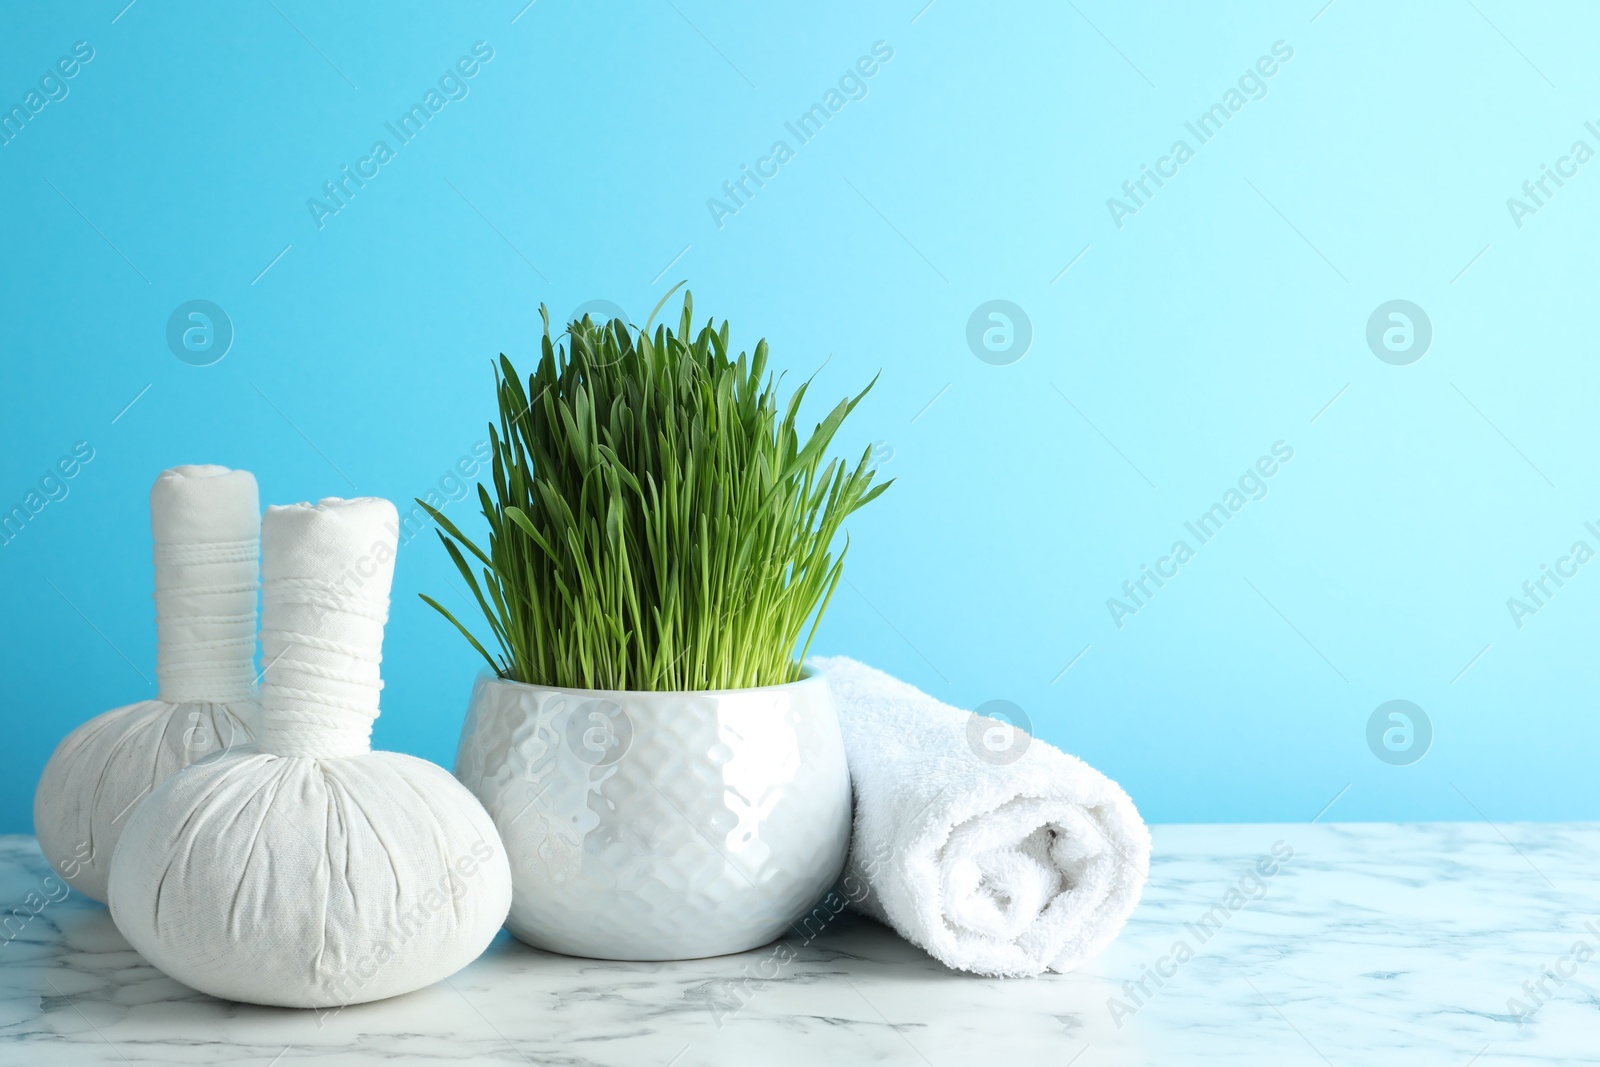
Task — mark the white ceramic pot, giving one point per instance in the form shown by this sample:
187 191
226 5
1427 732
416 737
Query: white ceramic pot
656 826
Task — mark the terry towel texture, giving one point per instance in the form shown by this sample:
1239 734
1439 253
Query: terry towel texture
1000 868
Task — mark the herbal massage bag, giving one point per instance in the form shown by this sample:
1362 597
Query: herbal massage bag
314 872
206 522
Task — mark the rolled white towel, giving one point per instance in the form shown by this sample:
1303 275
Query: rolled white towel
1004 868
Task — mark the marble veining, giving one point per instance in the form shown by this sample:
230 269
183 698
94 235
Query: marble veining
1369 943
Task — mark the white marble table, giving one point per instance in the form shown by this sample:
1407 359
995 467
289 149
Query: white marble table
1373 944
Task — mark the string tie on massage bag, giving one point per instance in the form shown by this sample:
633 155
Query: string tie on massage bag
322 638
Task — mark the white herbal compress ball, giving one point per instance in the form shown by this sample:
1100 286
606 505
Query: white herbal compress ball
206 522
313 871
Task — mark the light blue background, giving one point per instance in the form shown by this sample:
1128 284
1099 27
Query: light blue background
1221 318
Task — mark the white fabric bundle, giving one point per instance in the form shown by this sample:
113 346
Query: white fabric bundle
206 522
1004 869
314 872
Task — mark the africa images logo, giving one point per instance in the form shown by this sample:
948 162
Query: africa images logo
1252 85
199 332
852 85
452 85
1252 485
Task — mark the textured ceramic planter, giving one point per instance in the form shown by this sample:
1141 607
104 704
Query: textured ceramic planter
654 826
